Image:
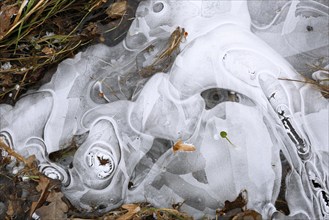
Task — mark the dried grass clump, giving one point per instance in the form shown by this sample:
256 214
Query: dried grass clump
35 34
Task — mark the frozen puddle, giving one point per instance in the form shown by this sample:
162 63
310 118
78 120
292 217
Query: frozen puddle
222 94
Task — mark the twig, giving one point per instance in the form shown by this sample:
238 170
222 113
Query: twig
301 81
324 89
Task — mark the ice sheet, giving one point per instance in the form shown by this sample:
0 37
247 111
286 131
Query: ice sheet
223 77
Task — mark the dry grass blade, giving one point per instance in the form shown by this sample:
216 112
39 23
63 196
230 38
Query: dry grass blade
12 152
37 34
321 84
19 21
24 3
316 68
324 89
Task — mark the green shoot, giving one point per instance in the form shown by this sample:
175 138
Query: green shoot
223 134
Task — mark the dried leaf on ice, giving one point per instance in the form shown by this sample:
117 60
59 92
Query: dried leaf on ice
180 146
237 210
239 203
132 210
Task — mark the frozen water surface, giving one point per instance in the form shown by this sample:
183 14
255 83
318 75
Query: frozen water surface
127 108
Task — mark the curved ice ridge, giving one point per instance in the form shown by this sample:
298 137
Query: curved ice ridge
223 79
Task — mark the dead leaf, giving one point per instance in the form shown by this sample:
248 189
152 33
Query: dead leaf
180 146
132 210
48 51
117 9
248 214
6 80
239 204
42 187
31 162
57 208
7 12
10 210
92 28
163 213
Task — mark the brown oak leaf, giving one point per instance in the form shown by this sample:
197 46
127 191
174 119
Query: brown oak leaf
56 209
